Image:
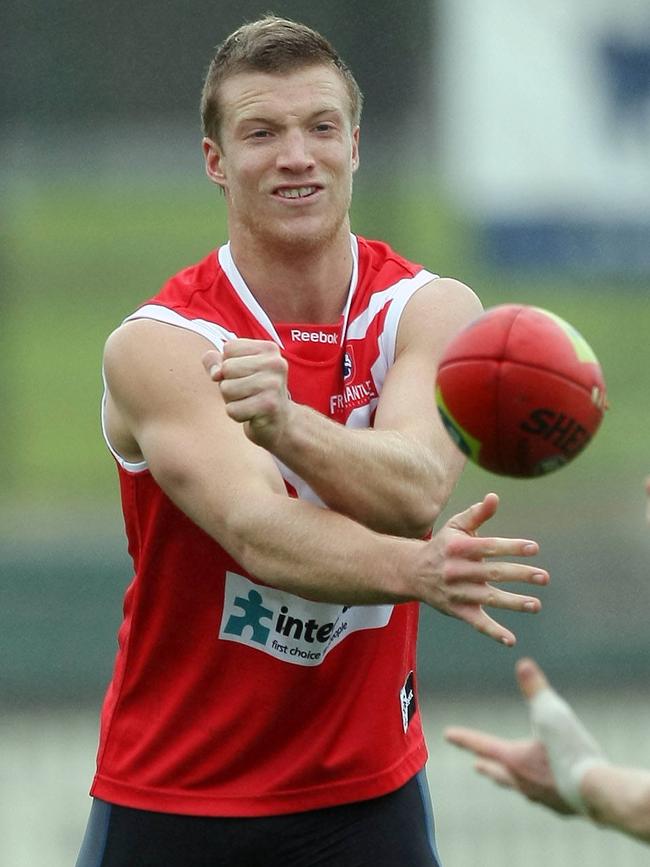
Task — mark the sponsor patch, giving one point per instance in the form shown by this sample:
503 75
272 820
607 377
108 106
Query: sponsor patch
288 627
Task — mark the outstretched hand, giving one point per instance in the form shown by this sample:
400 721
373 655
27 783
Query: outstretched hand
522 765
465 571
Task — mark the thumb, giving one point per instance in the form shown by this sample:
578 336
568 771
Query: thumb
471 519
530 677
212 363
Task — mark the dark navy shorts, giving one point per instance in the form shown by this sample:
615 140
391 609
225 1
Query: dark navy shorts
395 830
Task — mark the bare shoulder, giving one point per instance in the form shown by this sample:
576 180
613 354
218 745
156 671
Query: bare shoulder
436 312
448 297
153 372
145 354
133 339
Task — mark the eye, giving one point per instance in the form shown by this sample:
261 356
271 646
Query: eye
259 134
324 126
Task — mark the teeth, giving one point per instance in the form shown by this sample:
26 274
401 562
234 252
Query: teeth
297 192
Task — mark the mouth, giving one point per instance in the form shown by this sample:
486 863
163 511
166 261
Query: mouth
301 192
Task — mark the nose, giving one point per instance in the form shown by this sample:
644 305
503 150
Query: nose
294 154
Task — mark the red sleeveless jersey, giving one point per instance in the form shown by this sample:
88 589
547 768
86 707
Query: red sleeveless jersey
230 697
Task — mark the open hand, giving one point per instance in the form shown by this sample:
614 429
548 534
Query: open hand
522 765
462 571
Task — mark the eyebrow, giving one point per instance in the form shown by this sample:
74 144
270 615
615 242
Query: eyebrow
269 119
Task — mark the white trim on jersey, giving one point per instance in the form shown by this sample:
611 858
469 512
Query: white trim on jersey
246 296
129 466
397 295
215 333
353 285
248 299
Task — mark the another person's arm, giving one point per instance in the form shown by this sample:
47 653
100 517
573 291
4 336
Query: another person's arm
162 407
563 767
395 477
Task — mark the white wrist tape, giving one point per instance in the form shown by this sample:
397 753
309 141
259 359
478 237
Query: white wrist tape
571 748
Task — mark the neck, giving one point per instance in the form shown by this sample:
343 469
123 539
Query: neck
298 283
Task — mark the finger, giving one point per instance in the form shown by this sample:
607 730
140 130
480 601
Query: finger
530 677
476 741
237 383
242 346
472 518
497 772
212 363
254 406
264 371
481 621
480 572
478 547
495 597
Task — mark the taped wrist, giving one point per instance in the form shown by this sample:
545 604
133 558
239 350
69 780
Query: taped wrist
571 748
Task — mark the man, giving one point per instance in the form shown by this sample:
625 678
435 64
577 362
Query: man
562 767
281 462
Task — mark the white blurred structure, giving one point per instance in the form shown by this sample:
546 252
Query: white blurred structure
544 112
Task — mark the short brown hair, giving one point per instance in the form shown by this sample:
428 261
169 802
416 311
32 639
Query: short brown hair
270 44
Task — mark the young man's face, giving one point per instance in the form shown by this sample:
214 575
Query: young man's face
286 156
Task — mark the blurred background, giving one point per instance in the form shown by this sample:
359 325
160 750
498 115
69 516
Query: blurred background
504 143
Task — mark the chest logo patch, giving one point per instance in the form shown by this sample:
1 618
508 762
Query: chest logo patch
407 701
348 364
288 627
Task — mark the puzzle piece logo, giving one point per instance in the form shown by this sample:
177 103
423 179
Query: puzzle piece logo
253 612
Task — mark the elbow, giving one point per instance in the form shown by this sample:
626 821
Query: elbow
243 536
427 506
416 518
420 523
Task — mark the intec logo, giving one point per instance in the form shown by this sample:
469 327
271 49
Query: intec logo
289 627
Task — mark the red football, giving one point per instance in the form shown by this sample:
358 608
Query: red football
520 391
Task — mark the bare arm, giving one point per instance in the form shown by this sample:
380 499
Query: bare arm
164 408
395 477
619 798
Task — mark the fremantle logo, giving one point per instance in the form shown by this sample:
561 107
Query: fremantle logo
352 396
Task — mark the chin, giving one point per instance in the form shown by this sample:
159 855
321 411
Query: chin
303 235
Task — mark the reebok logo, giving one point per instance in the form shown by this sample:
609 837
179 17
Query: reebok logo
299 336
288 627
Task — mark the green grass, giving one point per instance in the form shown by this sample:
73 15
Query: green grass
82 256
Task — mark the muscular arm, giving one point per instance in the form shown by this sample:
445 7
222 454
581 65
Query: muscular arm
395 477
162 406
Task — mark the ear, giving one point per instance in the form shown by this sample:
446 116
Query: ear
355 148
213 157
